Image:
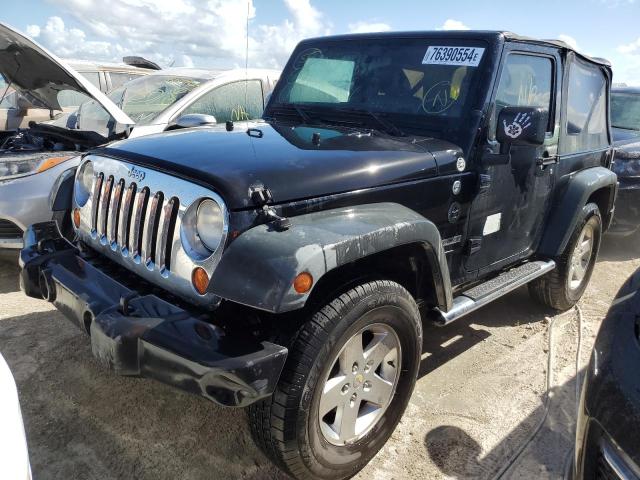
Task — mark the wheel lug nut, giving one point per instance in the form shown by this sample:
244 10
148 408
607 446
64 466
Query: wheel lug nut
345 388
354 369
354 397
367 385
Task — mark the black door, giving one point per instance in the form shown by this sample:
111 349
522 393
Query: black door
508 214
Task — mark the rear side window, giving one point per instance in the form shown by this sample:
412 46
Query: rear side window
93 77
70 99
526 81
120 78
586 125
235 101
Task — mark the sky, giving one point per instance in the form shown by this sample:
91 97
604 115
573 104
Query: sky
212 33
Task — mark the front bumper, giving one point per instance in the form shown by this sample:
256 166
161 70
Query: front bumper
626 220
143 335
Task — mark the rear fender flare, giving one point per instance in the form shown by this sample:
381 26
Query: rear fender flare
568 204
259 267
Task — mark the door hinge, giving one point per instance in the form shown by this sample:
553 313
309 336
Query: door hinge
474 245
485 183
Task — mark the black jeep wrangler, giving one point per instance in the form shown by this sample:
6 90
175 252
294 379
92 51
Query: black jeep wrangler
288 264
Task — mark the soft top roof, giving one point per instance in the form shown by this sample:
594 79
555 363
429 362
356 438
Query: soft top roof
487 35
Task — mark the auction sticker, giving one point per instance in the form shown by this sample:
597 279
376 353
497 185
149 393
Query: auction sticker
462 56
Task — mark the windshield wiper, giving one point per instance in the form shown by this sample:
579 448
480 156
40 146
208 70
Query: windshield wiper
304 116
626 128
386 125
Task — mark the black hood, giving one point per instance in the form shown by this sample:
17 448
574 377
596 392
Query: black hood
291 161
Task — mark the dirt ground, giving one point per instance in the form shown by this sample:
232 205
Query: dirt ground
480 394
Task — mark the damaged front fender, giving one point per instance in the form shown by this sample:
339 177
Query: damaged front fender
259 267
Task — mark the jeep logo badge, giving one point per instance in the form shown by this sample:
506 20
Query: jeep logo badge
136 174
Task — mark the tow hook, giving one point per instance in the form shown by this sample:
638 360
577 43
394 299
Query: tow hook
124 302
46 285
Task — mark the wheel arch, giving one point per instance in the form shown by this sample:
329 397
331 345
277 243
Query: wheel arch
598 185
410 265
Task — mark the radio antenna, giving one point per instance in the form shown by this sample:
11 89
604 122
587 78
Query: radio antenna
246 65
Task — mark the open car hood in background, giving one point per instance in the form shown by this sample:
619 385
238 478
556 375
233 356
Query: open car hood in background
39 75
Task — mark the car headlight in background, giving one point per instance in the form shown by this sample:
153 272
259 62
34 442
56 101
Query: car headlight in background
627 167
84 183
627 164
210 224
22 167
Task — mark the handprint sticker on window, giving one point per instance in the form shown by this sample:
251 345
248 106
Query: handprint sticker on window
518 125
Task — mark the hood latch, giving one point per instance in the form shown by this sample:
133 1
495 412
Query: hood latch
261 196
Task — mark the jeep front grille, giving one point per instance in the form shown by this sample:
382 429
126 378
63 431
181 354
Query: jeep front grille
137 222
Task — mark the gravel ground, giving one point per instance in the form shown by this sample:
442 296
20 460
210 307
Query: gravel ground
480 394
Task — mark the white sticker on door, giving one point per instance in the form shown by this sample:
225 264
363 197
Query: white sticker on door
492 224
459 56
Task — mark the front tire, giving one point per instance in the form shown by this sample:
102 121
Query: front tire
561 288
347 381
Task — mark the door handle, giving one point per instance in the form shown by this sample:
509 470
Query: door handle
546 160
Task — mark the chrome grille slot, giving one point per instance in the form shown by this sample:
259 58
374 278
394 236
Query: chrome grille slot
103 206
114 212
151 228
137 221
166 228
125 217
95 195
138 216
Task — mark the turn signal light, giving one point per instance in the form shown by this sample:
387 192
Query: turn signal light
51 162
76 217
303 282
200 280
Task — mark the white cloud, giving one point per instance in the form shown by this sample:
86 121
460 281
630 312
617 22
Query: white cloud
625 62
366 27
569 40
451 24
630 47
180 32
33 31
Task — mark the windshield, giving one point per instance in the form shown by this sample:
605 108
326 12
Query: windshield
625 110
424 83
143 99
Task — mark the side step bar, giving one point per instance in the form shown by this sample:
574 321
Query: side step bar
487 292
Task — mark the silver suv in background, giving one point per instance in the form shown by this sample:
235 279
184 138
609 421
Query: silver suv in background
35 161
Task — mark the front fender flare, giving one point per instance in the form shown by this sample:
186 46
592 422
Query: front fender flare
568 204
258 268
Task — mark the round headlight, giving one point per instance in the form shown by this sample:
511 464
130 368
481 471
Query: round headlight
84 183
210 224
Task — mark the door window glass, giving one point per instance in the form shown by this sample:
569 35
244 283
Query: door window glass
234 102
586 126
526 81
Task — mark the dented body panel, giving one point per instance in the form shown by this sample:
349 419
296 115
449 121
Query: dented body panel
258 268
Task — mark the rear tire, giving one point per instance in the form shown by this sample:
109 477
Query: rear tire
373 322
561 288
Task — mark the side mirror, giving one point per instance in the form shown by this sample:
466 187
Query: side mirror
195 120
522 126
